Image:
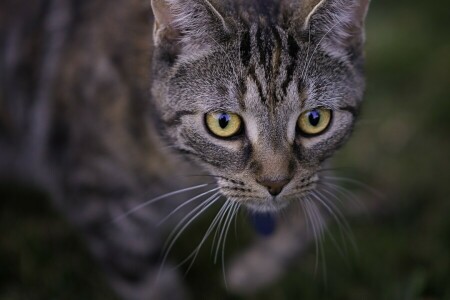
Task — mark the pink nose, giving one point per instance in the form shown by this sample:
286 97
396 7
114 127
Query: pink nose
274 186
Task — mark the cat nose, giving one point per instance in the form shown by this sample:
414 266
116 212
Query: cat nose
274 186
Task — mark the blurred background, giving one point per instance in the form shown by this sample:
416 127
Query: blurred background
401 148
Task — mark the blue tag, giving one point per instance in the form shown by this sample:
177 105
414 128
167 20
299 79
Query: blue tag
264 223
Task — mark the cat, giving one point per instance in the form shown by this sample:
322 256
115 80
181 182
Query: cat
111 104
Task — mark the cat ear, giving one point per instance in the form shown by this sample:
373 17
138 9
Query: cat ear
337 24
193 24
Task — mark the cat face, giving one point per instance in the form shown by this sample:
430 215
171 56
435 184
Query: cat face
260 104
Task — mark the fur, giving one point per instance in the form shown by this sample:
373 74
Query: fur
106 115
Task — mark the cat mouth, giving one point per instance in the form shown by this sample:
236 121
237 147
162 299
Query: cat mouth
259 200
275 203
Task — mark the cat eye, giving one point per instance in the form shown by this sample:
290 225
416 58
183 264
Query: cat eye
223 124
314 122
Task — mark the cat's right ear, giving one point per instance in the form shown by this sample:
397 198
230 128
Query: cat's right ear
193 25
164 26
337 25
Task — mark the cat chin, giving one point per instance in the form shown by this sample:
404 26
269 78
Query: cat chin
266 206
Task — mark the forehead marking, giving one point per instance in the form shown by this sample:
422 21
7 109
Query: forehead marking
270 55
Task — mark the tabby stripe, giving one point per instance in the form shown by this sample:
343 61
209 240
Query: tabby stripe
260 45
276 60
247 153
253 76
242 93
245 48
268 47
264 7
293 50
258 51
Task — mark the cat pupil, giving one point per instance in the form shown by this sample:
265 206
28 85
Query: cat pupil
224 119
314 118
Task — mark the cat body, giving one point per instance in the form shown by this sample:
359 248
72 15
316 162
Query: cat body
107 114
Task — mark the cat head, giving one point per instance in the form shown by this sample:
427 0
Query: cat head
260 93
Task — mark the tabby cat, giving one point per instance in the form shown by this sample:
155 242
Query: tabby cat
114 119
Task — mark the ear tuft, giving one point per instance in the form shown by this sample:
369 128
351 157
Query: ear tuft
308 9
163 27
194 24
337 24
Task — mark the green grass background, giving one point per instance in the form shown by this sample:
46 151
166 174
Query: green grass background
401 147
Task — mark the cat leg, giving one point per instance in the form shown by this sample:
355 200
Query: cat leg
128 248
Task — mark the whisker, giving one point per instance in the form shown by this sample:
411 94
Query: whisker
348 231
321 225
194 211
340 219
184 204
198 211
235 222
357 183
151 201
313 227
203 175
196 251
317 46
302 205
332 169
232 215
330 188
225 221
221 218
332 209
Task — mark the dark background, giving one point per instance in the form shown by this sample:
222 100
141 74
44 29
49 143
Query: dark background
400 148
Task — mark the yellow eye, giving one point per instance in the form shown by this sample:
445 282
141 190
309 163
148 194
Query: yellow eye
314 121
223 125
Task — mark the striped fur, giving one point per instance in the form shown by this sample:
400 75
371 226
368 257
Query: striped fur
256 62
76 114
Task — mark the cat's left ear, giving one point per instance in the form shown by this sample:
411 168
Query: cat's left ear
192 25
337 24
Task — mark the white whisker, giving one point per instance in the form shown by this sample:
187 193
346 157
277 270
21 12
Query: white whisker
303 208
151 201
191 213
313 228
321 225
225 221
348 231
232 215
357 183
343 225
221 218
332 209
235 222
330 188
211 227
198 211
317 46
333 206
184 204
